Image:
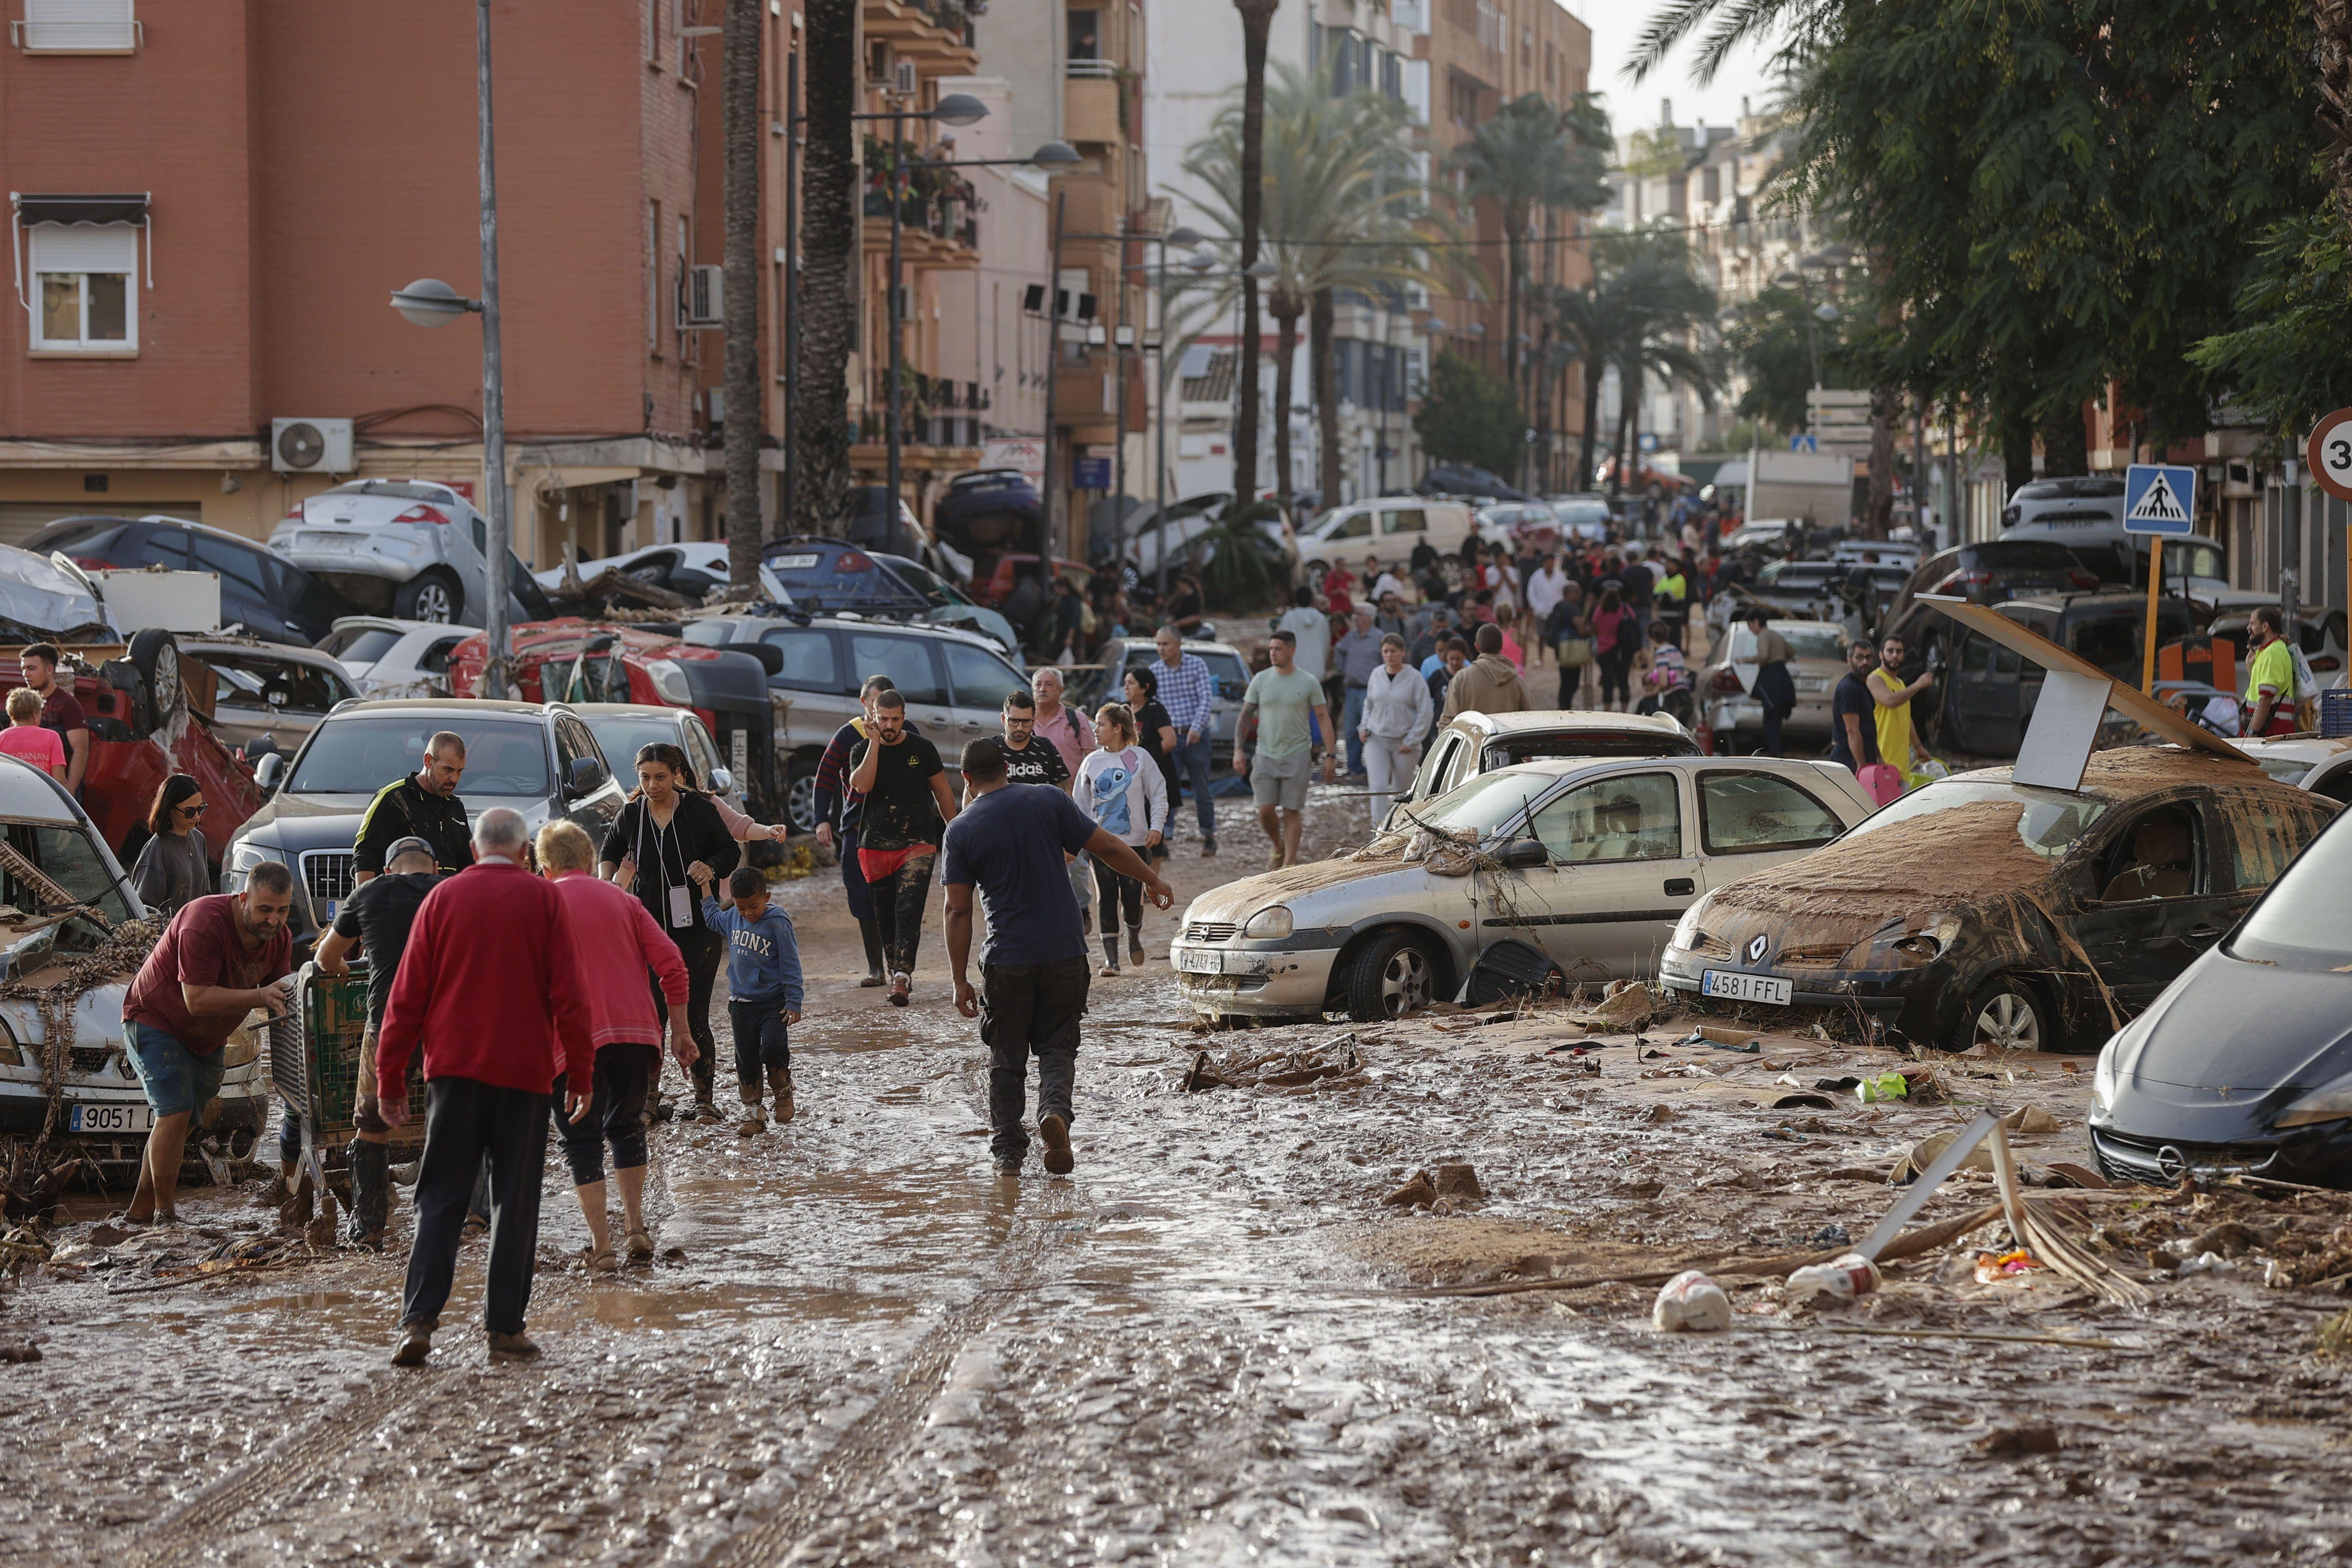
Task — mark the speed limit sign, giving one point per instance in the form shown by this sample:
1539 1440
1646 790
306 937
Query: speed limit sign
2329 453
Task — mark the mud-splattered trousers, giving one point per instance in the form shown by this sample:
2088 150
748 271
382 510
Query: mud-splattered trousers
899 900
1030 1009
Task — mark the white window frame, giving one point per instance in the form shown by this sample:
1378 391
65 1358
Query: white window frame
82 250
78 28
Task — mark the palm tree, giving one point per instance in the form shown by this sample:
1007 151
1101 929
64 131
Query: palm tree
829 239
1642 313
1339 210
739 127
1257 22
1533 156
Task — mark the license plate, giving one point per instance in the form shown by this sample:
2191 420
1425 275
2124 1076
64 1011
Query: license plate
1812 683
327 914
348 542
1199 960
794 564
1732 985
110 1118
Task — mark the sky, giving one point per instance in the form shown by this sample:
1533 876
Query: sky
1616 25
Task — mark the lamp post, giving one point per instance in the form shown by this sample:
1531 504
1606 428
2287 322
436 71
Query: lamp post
429 302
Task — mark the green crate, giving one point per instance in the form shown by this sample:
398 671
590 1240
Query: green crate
323 1031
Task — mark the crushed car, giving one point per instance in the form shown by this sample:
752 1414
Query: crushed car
1980 911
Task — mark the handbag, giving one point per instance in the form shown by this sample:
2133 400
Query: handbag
1575 653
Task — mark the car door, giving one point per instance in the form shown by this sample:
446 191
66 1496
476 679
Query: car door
2139 931
1620 873
913 665
702 753
599 808
244 585
978 684
1980 697
1749 818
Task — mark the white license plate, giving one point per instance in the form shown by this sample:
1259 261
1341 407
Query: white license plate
348 542
1812 683
1199 960
795 563
1732 985
110 1118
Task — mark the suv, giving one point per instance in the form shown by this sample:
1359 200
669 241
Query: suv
1226 666
1983 573
408 548
261 590
541 760
2087 499
1988 691
954 682
101 1111
1474 743
835 576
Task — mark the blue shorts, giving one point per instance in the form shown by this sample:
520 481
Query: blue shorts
176 1077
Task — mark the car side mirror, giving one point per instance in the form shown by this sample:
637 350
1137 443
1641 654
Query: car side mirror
1521 853
587 775
722 782
270 772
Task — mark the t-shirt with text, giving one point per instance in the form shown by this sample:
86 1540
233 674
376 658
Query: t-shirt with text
1039 762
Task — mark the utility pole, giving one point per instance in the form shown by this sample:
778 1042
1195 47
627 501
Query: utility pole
497 590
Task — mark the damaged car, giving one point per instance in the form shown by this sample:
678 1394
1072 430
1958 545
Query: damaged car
1472 743
1980 911
2245 1063
1586 861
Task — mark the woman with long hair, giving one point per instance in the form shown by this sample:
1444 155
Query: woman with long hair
1156 732
1118 787
176 867
1613 641
668 838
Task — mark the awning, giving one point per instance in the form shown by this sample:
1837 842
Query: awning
122 208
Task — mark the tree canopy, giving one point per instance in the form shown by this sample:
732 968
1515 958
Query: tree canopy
1470 416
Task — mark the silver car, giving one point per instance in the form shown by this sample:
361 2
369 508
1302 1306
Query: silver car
267 690
1592 861
1473 743
1226 666
407 548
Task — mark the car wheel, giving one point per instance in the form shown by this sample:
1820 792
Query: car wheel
2006 1014
800 796
429 596
1393 977
155 654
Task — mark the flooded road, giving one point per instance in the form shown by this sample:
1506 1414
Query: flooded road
1205 1347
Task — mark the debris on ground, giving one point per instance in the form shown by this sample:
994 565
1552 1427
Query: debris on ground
1692 1303
159 1255
1336 1065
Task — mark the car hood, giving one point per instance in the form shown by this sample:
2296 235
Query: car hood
1314 891
2231 1028
1968 856
295 822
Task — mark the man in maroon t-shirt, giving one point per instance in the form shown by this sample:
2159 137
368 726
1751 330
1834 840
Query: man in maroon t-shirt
220 959
61 710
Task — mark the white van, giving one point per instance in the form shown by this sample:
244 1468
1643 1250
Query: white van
1388 528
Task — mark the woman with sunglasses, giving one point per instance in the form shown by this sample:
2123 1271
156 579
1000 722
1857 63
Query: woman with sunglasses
176 867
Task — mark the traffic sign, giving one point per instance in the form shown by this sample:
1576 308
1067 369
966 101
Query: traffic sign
2329 454
2159 499
1089 473
1804 443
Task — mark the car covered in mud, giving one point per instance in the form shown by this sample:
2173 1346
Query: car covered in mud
2245 1063
71 939
1469 744
1590 861
1980 911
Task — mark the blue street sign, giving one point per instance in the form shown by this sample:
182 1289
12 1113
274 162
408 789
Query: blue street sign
2159 499
1804 443
1089 473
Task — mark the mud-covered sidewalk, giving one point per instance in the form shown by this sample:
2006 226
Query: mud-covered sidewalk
1216 1343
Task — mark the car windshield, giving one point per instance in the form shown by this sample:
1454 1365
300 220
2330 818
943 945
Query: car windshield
65 857
360 645
359 753
1480 808
2049 821
618 736
279 682
2305 921
2286 770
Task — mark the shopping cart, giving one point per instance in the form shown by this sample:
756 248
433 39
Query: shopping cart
314 1065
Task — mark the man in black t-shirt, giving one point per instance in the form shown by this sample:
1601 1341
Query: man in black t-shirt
374 920
906 803
1028 760
1853 712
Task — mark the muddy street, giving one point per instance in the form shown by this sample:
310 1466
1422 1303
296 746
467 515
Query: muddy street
1214 1343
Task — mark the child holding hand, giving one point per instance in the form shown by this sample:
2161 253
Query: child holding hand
763 979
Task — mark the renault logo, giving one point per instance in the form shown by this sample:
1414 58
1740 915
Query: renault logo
1756 946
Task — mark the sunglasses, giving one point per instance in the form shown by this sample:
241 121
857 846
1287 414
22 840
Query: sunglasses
189 810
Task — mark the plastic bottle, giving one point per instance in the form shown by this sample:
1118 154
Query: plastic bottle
1692 1303
1823 1283
1885 1086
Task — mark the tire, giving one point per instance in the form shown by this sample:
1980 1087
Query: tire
799 796
1393 977
432 596
155 654
2006 1014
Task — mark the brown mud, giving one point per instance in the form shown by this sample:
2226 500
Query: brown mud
1213 1344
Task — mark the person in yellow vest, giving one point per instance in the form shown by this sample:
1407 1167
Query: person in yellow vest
1896 744
2270 674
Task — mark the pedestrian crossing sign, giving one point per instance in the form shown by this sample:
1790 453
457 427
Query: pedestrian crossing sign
2159 499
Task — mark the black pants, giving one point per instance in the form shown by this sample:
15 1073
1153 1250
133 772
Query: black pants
1112 890
899 900
1774 716
465 1119
615 1116
1572 684
1030 1009
760 1041
704 951
1616 671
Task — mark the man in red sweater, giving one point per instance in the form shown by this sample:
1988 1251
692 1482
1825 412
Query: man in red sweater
490 982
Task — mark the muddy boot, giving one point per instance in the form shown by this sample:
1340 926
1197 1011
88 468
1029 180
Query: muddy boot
755 1118
779 1082
1110 955
415 1341
1054 1133
370 1193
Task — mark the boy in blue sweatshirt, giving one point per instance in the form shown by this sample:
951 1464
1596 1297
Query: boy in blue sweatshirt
763 976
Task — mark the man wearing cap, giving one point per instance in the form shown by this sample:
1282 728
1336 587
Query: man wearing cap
375 921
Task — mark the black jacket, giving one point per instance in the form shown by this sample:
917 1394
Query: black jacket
405 808
695 833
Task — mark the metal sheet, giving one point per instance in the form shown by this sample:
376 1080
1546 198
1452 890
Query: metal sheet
2065 726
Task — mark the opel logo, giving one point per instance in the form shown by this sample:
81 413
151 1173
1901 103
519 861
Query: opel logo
1756 946
2172 1163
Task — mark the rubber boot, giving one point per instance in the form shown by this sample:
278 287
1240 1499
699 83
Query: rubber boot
371 1192
780 1080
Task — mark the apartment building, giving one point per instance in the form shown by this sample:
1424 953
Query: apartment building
214 255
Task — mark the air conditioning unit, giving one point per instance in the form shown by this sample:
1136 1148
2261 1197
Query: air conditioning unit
311 446
904 83
705 297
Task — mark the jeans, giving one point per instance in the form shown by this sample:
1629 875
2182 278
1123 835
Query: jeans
759 1042
1351 716
899 900
1029 1009
1193 762
1112 890
616 1113
704 951
465 1119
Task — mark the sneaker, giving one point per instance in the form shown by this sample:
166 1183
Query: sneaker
639 1247
779 1081
1054 1133
873 982
901 985
1209 847
512 1347
415 1344
1110 972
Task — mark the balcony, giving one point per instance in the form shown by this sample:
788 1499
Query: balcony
1094 107
77 28
937 34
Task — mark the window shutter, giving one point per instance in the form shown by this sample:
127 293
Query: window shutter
76 248
80 24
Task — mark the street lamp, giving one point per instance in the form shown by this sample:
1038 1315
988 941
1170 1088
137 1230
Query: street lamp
429 302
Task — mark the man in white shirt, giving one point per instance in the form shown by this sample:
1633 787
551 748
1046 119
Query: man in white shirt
1545 587
1312 629
1385 583
1396 714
